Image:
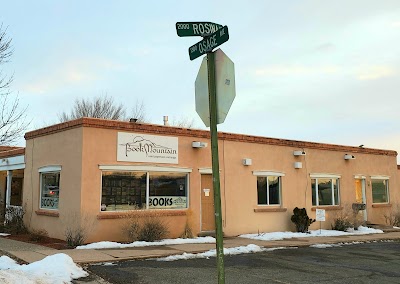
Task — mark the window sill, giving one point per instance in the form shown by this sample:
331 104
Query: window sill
270 209
140 213
379 205
47 213
327 207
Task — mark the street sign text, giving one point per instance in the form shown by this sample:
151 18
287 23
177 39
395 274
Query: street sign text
196 28
209 43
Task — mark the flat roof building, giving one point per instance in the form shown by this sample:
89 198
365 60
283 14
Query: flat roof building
101 173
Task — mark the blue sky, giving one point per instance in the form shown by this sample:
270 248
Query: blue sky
305 70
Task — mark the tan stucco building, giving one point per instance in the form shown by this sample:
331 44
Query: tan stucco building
101 172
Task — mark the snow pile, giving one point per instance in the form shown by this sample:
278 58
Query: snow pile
4 234
325 245
213 253
315 233
58 268
112 245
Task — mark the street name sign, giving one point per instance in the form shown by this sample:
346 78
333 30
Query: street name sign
196 28
209 43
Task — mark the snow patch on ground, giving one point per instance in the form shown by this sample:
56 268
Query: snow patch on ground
58 268
109 245
251 248
315 233
4 234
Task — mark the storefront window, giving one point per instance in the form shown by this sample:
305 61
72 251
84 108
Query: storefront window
128 190
167 190
123 191
50 190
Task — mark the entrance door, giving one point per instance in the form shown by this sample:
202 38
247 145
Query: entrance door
207 204
360 196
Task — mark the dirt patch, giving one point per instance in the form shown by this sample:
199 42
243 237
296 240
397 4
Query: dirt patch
45 241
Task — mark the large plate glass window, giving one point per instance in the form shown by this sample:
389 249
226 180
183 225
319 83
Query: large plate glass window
167 190
325 191
131 190
380 190
49 190
123 191
268 190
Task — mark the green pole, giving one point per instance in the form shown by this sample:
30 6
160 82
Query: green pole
215 166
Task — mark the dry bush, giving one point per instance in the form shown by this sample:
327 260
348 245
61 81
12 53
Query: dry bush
38 235
187 232
346 218
145 228
392 218
14 220
77 227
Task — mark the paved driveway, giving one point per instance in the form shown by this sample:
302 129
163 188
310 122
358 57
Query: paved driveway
377 262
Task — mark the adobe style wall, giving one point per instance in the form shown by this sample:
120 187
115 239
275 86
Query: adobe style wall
80 146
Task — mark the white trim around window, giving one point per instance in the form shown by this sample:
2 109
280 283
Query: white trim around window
52 168
144 168
322 175
380 177
268 173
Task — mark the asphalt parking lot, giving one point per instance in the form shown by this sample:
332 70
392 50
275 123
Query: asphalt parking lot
375 262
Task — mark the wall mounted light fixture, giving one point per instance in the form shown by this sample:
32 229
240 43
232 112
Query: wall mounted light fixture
299 153
349 157
247 162
198 144
298 165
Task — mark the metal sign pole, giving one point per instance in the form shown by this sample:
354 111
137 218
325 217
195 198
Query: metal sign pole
215 166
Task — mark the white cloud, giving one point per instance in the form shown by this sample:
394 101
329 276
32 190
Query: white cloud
288 70
396 24
375 72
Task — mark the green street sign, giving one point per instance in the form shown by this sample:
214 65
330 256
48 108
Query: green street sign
209 43
196 28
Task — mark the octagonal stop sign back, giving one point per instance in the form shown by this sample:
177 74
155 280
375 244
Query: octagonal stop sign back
225 87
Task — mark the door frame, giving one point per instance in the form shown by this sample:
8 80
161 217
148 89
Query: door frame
363 180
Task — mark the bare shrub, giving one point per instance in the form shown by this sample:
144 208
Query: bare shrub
147 229
38 235
131 229
346 218
14 220
392 218
187 231
152 229
77 227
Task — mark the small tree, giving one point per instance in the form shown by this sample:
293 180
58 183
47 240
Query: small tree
12 118
184 122
98 107
301 220
102 107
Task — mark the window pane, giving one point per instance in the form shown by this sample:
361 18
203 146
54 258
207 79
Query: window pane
336 190
50 190
273 188
16 191
262 190
379 191
325 191
123 191
314 192
168 190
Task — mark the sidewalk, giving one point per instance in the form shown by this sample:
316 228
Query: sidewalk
31 253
